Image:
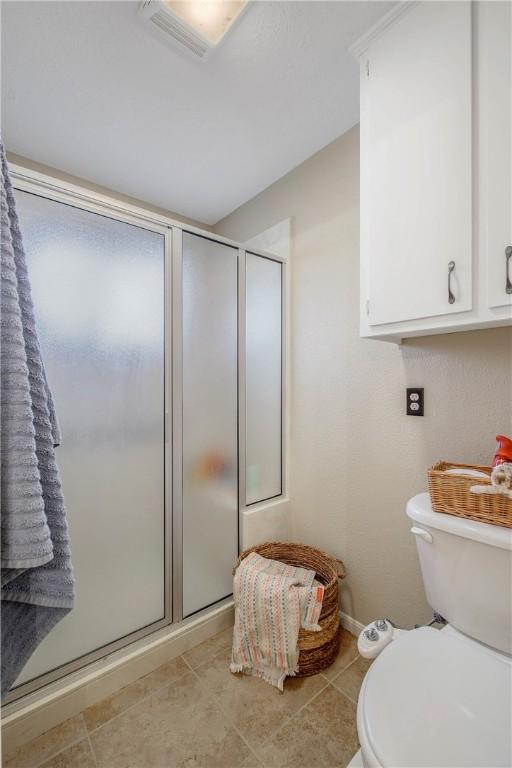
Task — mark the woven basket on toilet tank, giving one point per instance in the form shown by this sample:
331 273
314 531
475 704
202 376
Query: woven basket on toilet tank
451 494
317 650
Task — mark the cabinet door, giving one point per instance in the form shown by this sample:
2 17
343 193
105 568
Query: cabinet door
416 192
495 90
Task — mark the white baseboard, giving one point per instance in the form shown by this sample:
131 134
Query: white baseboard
350 624
34 714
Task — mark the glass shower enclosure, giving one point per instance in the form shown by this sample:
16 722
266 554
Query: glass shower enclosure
164 352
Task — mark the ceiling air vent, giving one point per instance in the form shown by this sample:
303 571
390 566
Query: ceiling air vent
199 25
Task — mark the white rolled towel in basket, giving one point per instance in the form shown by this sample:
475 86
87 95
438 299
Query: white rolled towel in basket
501 481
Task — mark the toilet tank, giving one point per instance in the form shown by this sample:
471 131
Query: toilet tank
467 572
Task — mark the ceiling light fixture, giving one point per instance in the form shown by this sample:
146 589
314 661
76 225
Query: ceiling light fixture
199 25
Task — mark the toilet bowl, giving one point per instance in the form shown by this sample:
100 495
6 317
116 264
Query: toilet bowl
436 698
443 698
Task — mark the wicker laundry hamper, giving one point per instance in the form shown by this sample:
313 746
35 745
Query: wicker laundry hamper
317 650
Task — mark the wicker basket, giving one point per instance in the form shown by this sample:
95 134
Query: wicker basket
317 650
450 494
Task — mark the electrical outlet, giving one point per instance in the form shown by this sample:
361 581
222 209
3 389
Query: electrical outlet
415 401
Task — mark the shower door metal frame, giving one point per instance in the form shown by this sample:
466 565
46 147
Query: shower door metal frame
76 197
44 185
177 421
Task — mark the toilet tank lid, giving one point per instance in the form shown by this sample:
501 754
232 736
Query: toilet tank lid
420 510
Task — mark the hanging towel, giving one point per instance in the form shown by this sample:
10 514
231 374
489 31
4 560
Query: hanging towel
272 602
37 586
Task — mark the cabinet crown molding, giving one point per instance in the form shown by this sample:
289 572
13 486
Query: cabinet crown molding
362 44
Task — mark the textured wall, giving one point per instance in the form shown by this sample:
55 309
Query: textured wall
355 457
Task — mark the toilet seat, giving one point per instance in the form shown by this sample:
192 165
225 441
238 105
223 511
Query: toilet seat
436 699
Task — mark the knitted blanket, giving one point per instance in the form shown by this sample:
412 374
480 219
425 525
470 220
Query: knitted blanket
37 577
272 602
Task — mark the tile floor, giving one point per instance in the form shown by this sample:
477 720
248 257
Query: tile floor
193 712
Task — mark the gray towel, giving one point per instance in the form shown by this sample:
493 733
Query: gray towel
37 576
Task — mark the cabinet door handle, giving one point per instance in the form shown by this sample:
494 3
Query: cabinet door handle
508 256
451 297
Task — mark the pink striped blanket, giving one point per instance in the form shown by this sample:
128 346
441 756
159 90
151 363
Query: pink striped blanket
272 602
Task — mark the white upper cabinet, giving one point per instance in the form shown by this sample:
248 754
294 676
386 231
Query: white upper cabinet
416 183
495 129
436 165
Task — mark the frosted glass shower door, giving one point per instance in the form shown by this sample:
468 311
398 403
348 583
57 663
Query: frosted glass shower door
263 378
98 288
210 421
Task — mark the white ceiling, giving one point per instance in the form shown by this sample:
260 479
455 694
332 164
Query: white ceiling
88 90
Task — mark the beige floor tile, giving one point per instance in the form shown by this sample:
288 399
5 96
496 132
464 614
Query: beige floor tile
77 756
252 762
40 749
256 708
201 653
349 681
178 726
107 708
323 735
347 654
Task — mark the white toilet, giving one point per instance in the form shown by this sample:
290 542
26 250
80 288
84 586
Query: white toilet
440 699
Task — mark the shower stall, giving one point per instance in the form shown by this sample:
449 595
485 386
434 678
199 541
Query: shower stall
164 348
